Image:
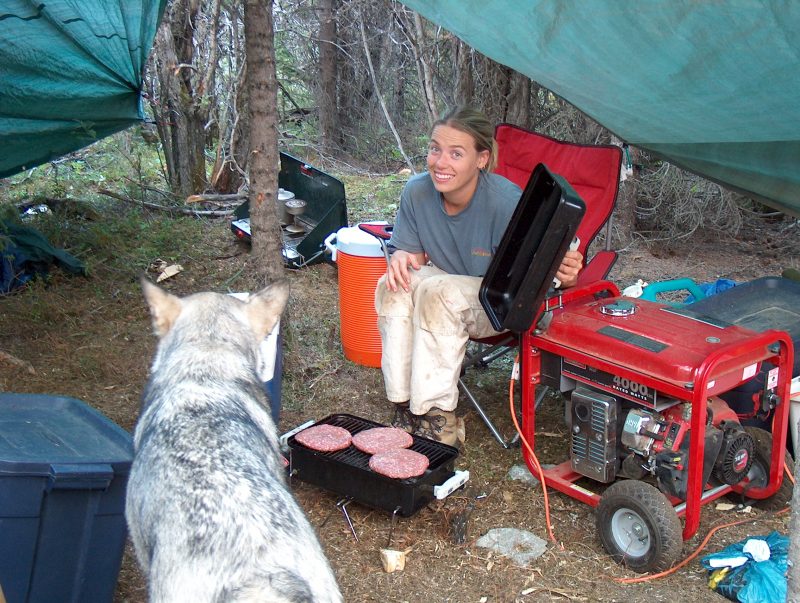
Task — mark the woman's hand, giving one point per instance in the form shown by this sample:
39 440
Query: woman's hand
397 274
570 268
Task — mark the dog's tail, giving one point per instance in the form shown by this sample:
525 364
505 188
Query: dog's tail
282 587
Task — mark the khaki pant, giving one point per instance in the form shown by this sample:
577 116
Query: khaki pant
424 332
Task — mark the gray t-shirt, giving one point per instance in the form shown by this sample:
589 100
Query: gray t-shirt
459 244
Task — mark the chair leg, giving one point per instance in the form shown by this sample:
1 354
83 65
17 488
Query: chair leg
514 441
486 356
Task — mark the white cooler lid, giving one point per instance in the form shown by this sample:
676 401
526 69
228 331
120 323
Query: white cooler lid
354 241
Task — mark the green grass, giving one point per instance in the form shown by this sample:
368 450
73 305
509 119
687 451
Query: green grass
372 197
108 235
123 163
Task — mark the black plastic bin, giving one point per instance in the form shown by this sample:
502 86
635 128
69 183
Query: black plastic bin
63 472
765 303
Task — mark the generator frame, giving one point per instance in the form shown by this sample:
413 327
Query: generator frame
709 379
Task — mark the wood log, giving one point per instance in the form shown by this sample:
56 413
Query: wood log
185 211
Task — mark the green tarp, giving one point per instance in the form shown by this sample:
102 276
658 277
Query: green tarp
70 73
713 87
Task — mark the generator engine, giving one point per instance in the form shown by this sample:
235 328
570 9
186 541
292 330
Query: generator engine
612 437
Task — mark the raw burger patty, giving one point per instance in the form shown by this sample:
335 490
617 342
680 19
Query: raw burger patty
399 463
381 439
325 438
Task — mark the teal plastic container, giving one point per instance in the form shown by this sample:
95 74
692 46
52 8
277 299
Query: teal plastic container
652 290
63 472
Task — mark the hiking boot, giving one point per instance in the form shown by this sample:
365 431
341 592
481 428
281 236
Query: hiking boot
442 426
402 418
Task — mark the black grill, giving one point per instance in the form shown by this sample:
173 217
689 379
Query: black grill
347 471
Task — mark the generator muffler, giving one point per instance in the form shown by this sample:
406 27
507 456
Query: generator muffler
593 423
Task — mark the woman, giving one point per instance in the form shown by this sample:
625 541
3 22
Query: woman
449 224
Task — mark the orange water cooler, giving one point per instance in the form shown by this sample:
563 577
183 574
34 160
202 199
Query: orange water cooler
361 263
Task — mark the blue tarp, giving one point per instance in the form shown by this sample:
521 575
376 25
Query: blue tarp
712 87
25 253
70 73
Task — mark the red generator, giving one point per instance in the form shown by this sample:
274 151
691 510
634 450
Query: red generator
651 437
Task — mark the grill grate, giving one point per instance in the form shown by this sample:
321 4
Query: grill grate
436 452
347 471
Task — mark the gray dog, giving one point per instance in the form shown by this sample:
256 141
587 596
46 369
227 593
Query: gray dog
208 508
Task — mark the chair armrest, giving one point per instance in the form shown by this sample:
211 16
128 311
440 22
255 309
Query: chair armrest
381 231
598 267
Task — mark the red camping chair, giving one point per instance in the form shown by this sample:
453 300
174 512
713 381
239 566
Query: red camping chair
593 171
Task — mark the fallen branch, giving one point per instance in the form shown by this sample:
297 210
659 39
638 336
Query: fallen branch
217 198
147 187
172 210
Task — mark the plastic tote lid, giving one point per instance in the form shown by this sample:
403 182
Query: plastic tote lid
37 431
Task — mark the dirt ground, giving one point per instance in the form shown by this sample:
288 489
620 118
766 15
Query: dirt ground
91 339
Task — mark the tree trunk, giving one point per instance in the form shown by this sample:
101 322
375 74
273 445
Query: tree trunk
330 135
465 84
228 175
180 118
519 100
388 117
240 123
421 53
263 163
625 210
414 32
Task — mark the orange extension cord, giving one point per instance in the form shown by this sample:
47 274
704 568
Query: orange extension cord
550 533
533 455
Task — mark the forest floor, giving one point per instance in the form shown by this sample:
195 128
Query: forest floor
90 338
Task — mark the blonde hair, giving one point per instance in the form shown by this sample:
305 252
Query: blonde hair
477 125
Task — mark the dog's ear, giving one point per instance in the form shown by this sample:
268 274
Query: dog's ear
164 307
265 307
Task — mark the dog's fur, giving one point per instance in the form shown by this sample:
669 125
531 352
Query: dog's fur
208 508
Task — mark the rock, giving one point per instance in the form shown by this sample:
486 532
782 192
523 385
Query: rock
521 473
520 546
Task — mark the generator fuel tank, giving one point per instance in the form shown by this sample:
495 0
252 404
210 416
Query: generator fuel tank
649 338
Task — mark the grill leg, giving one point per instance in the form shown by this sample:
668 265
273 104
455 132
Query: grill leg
342 504
391 527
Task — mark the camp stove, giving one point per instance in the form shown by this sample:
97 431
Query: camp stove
311 205
651 437
347 473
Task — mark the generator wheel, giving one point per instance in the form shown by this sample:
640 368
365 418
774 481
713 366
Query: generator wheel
639 527
758 476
